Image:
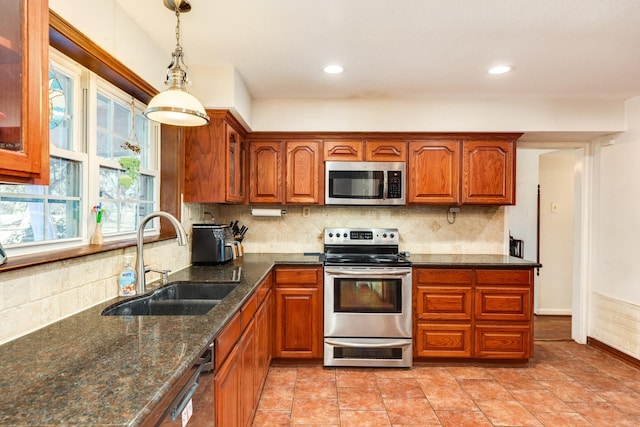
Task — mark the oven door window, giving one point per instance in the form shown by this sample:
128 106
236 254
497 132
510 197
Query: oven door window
356 184
367 295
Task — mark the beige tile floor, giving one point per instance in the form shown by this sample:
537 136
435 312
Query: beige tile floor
566 384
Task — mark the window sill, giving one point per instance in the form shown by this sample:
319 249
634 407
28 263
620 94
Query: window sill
25 261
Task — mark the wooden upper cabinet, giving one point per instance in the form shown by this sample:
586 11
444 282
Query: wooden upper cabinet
24 108
488 172
266 164
385 151
303 180
214 161
236 164
433 172
356 150
343 150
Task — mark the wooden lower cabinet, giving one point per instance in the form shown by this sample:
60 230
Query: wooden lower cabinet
298 313
227 391
247 355
473 313
242 357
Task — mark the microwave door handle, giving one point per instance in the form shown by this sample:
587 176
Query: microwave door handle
366 273
391 344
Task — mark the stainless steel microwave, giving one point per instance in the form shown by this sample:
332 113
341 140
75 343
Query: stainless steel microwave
365 183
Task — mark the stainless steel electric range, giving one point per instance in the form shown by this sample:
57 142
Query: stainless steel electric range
367 299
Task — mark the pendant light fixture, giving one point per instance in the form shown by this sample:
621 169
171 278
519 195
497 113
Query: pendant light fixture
175 106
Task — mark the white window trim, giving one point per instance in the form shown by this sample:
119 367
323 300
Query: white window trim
84 141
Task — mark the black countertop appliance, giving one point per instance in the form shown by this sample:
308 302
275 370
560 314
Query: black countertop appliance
212 244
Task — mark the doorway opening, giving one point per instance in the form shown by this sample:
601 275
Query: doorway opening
551 222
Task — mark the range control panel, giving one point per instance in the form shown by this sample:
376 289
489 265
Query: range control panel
361 236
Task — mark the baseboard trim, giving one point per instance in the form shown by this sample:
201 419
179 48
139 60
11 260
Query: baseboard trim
614 352
553 312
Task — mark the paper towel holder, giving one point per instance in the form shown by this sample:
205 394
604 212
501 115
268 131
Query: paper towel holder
268 212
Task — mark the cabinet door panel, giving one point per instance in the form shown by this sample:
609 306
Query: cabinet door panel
503 342
227 392
488 172
304 172
442 340
247 356
297 322
24 130
503 303
443 303
236 158
266 172
434 172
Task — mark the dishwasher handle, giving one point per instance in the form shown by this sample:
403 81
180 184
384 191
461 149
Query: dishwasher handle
182 399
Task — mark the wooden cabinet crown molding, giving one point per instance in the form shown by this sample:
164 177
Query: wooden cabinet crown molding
73 43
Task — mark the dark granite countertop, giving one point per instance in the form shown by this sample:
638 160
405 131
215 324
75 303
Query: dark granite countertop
93 369
470 260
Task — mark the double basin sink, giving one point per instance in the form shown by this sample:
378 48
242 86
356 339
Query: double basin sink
173 299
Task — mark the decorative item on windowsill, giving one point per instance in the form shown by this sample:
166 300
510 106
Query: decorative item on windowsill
96 237
131 164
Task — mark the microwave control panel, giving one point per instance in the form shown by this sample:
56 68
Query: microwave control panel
394 187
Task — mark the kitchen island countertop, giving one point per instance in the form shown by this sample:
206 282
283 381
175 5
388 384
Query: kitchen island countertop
92 369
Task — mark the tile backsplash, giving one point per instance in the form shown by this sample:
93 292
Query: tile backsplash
422 229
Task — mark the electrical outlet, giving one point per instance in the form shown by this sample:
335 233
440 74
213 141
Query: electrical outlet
306 211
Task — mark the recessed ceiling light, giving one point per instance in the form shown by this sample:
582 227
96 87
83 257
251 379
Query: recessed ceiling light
333 69
500 69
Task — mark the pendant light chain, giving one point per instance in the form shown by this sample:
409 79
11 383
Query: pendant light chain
178 47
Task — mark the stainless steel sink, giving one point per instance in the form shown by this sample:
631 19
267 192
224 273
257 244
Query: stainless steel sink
173 299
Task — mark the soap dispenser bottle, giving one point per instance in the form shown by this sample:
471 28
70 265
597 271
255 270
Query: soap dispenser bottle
127 279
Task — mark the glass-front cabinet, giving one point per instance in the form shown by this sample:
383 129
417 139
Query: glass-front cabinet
24 107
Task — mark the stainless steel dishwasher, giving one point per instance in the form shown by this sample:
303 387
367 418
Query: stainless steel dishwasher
191 399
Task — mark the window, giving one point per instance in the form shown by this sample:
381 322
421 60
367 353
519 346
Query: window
128 171
93 160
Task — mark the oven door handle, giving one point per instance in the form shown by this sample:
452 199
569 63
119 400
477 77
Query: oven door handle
368 273
388 344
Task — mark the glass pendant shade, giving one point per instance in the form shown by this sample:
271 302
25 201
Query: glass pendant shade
176 107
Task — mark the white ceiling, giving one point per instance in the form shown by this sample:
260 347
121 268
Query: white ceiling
411 49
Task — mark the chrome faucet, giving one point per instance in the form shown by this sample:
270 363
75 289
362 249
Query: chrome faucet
140 270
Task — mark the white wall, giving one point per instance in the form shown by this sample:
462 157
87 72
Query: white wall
557 171
615 276
438 115
106 24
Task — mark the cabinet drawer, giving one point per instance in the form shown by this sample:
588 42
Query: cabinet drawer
343 150
226 339
264 288
443 303
438 340
503 342
504 277
385 151
503 303
249 309
297 276
444 276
